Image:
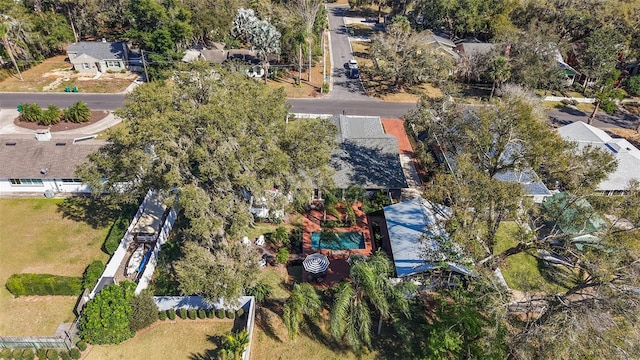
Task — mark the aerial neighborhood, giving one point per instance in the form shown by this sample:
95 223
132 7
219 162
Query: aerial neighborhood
309 179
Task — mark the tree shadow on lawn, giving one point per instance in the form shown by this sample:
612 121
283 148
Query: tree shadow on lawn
310 328
210 354
264 313
88 210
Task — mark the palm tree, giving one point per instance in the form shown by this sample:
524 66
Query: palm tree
369 286
235 344
304 300
499 72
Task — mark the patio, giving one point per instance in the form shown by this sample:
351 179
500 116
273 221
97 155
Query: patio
338 267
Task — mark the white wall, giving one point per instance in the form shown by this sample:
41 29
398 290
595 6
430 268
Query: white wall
56 185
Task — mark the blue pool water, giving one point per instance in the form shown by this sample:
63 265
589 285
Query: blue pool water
337 241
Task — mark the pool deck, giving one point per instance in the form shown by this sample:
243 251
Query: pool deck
338 268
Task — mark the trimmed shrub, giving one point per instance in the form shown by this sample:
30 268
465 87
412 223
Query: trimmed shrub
77 113
182 313
211 313
44 284
64 355
231 314
240 312
17 354
144 311
191 313
31 112
202 314
282 256
162 315
82 346
75 354
41 354
220 314
91 274
28 354
52 354
5 354
116 232
171 314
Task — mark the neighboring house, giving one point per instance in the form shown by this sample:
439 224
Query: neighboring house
442 44
575 218
571 73
414 237
28 165
366 156
469 50
217 55
626 155
94 57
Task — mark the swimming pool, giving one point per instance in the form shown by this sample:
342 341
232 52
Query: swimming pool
337 240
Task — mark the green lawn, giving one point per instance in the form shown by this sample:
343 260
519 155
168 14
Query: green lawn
181 339
36 238
521 271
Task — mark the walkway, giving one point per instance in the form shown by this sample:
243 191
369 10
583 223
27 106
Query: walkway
395 127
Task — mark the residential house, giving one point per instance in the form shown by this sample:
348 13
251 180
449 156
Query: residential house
575 218
414 237
94 57
440 43
625 153
28 165
366 156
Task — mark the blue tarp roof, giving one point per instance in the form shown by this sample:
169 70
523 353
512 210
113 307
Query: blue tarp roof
414 227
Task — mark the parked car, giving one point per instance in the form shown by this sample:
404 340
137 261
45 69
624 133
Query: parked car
353 73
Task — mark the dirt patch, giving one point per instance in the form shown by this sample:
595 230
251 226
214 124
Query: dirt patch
63 125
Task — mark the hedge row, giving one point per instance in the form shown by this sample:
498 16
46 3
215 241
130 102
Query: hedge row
116 232
77 113
200 314
92 274
44 284
40 354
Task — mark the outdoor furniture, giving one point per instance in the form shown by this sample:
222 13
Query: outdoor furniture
316 263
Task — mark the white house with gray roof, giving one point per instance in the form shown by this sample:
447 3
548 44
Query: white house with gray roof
627 156
92 57
366 156
31 166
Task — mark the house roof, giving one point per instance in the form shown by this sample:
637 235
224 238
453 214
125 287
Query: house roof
25 158
471 48
573 216
626 155
435 39
527 178
365 155
414 228
99 50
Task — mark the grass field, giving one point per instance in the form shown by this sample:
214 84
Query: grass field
521 271
177 340
36 238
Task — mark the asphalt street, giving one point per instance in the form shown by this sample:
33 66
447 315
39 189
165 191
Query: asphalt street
114 101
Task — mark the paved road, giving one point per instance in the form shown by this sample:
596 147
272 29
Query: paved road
113 101
602 120
341 52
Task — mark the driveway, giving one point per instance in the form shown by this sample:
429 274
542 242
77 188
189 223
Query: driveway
343 87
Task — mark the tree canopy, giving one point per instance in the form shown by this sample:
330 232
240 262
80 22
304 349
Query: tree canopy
105 319
214 138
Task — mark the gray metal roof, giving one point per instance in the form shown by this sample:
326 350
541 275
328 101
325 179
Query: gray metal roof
527 178
24 158
626 155
99 50
366 156
414 227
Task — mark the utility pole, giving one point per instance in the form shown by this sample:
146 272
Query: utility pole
4 30
144 64
324 60
309 59
299 63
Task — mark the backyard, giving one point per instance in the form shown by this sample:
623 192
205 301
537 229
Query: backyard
35 237
179 339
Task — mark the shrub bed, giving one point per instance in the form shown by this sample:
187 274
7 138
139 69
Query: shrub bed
44 284
41 354
231 314
52 354
92 274
220 314
82 345
182 313
28 354
75 354
211 313
202 314
171 314
162 315
191 313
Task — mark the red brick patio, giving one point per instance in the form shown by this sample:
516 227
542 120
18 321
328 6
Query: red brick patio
338 268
